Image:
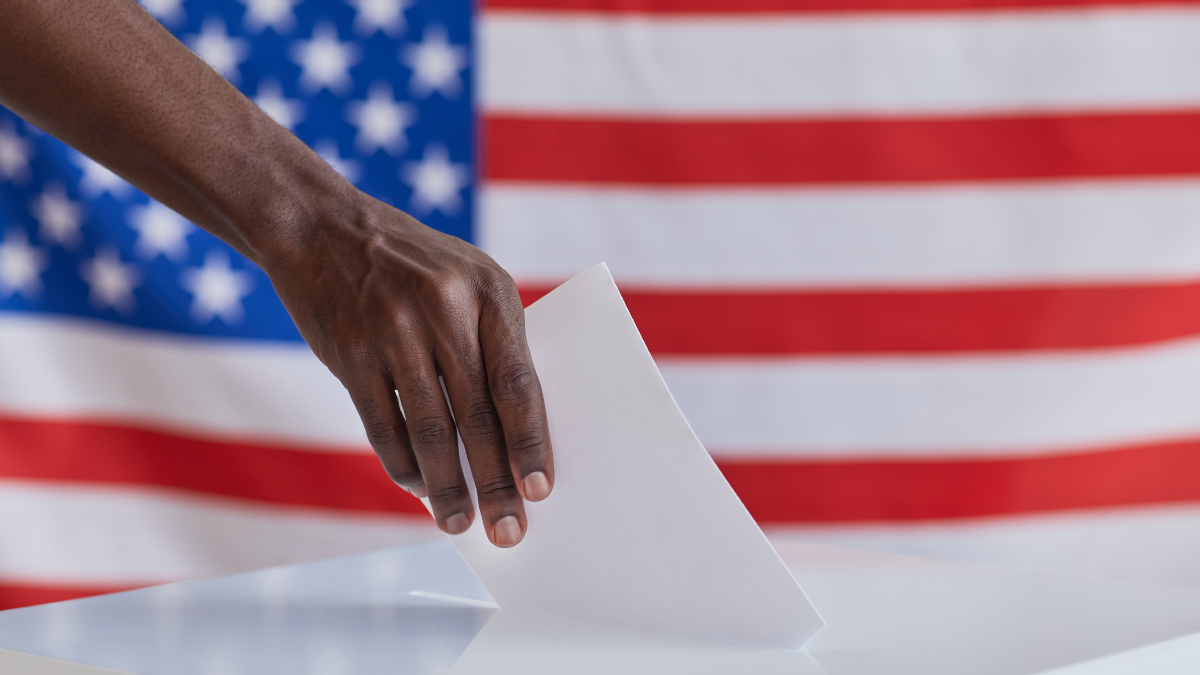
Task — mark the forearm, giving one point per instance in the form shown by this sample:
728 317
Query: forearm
106 78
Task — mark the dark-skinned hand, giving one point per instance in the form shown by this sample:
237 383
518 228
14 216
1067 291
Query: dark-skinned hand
390 305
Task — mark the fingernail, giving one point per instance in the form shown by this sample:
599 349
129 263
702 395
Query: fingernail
507 532
419 491
537 487
457 523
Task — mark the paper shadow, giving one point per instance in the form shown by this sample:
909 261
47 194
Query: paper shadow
534 644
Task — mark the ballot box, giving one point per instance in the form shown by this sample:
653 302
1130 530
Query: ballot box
655 570
417 610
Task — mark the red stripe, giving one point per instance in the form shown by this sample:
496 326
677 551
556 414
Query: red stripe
720 323
690 152
14 594
799 6
793 492
774 491
64 450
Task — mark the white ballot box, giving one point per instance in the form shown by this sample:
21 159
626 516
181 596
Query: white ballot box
417 610
643 560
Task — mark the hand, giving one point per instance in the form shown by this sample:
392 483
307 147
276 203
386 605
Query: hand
389 305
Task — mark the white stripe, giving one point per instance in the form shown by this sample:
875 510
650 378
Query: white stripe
863 406
944 236
74 534
1159 544
821 65
940 406
63 368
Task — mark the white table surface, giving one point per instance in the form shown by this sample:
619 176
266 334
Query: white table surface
415 610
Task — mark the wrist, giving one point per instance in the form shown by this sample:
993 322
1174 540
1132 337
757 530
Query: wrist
293 219
260 189
290 205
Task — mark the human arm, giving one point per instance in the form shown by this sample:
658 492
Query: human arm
385 302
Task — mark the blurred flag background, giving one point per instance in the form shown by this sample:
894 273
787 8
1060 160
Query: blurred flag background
923 274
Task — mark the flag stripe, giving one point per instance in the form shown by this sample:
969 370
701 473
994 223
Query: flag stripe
784 492
947 406
743 323
245 391
832 151
741 7
70 450
940 236
830 65
776 491
1157 544
76 534
18 593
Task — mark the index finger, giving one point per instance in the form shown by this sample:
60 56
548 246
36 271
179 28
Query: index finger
515 390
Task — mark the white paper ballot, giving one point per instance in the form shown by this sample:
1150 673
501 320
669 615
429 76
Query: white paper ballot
642 531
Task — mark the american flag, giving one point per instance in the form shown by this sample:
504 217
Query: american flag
924 275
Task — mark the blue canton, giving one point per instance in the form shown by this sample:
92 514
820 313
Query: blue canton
381 89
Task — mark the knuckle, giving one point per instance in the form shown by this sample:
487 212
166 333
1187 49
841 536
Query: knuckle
527 442
481 421
450 492
514 382
496 487
431 432
498 284
448 288
382 433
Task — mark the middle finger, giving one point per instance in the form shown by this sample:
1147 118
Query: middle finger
433 439
500 504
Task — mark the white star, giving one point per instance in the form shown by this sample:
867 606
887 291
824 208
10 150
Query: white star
15 153
277 14
348 168
166 11
435 64
222 52
217 290
58 217
381 121
384 15
436 181
110 283
97 179
21 266
324 61
285 111
161 231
